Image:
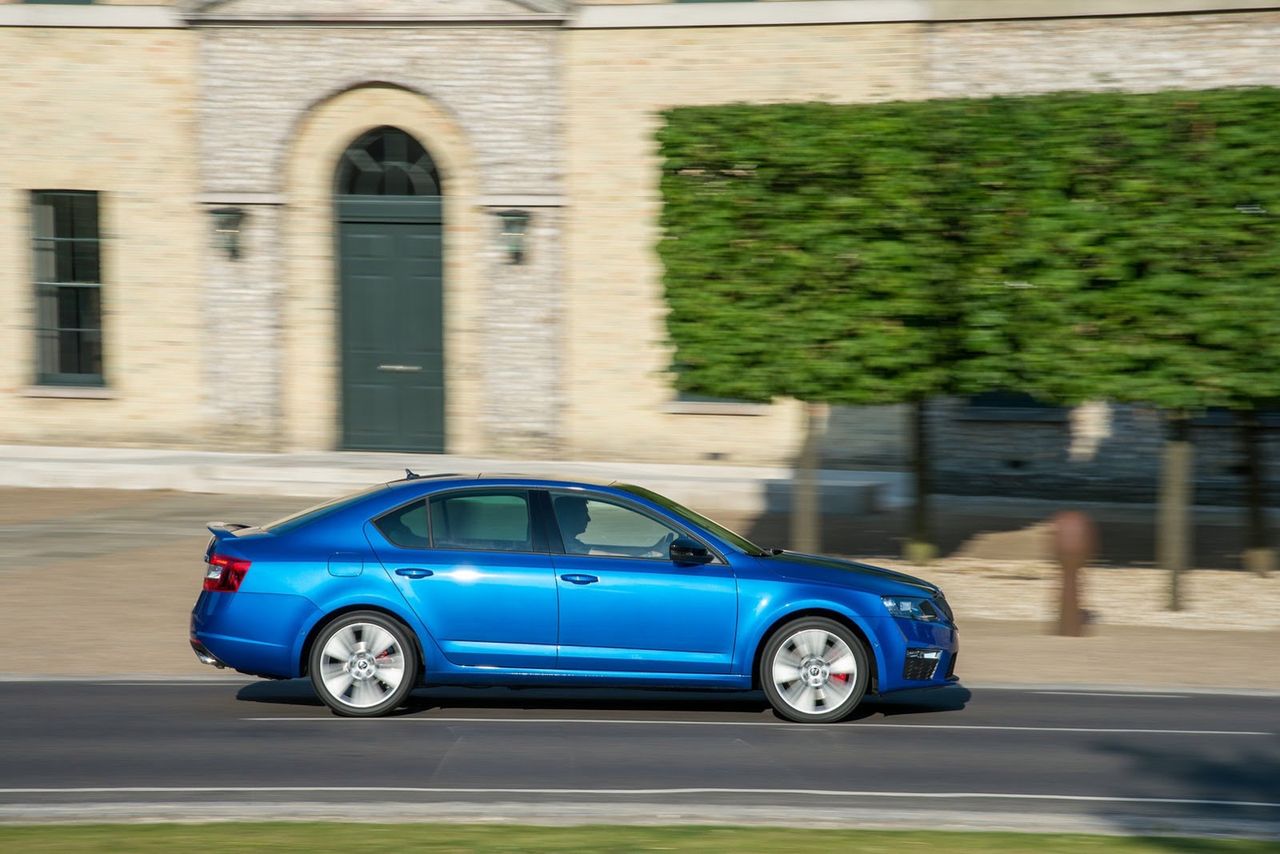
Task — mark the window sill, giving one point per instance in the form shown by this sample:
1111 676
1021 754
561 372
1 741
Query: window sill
75 392
706 407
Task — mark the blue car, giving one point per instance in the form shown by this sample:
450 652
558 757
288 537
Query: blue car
484 580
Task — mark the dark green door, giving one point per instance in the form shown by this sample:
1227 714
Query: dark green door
392 323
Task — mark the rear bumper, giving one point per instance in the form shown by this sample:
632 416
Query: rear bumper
204 656
255 633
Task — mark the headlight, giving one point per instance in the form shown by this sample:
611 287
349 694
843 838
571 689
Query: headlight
910 607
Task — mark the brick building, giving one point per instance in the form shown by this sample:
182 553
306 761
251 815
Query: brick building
430 224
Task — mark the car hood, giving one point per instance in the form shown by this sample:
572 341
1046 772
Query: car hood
847 573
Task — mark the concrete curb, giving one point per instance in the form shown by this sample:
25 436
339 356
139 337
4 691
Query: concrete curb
639 814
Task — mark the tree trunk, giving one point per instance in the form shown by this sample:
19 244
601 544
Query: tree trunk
1173 537
1258 555
920 547
806 526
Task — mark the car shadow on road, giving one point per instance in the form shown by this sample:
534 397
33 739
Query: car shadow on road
742 704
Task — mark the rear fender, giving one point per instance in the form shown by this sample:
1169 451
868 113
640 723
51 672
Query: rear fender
374 600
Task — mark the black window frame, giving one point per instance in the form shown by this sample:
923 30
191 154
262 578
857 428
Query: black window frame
52 375
537 533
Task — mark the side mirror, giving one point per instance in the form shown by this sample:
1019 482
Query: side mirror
685 550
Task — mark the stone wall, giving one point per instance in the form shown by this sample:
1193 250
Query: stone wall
500 87
111 111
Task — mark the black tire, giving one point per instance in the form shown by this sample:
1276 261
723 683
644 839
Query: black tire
804 695
372 693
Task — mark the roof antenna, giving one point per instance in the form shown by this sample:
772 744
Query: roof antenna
409 475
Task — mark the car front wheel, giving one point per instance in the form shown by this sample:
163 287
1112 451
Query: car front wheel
814 670
363 664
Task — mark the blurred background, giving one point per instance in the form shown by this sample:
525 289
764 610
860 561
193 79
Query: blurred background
434 228
895 280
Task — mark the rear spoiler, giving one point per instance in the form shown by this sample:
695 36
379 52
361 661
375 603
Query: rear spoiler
222 530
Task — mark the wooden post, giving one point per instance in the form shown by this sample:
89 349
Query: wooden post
806 526
1173 538
920 547
1074 542
1258 554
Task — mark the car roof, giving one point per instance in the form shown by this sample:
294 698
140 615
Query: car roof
502 478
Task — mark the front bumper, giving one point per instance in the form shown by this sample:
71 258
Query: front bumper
916 654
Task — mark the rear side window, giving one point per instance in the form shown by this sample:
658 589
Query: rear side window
489 521
406 527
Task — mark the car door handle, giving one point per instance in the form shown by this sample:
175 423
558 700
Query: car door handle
413 572
579 579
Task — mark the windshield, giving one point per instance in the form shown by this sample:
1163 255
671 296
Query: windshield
720 531
302 517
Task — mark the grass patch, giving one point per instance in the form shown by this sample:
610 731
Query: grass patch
382 838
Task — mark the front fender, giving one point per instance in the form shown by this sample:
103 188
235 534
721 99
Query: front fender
760 614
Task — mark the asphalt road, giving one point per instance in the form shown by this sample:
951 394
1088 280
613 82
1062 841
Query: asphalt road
948 758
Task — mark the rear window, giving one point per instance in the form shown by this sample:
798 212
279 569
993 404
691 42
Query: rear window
406 527
313 514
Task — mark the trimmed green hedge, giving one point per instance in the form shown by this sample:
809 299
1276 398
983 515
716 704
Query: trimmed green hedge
1071 245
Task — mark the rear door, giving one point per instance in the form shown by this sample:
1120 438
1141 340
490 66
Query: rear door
624 605
475 569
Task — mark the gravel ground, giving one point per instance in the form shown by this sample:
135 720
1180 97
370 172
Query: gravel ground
1116 596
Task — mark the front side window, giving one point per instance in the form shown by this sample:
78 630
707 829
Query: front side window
489 521
589 526
68 274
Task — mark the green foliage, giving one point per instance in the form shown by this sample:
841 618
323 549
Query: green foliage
1071 245
355 837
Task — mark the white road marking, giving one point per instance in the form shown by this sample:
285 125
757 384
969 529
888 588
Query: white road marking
847 727
692 790
1111 694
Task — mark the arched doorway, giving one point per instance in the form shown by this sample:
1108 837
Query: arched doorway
390 228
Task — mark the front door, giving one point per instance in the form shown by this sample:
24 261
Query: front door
625 606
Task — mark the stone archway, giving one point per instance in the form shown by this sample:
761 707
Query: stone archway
312 388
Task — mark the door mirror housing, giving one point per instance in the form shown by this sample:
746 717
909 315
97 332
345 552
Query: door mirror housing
688 551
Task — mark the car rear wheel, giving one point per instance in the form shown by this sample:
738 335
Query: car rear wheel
814 670
363 664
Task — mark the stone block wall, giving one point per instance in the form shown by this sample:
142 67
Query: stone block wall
111 111
500 86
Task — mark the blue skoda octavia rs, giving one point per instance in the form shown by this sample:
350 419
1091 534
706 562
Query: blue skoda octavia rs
465 580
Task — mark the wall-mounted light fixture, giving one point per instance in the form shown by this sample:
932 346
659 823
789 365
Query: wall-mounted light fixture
515 228
227 223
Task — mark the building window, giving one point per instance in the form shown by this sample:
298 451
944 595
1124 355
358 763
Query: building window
68 266
1010 406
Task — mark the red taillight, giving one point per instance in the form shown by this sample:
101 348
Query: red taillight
225 573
